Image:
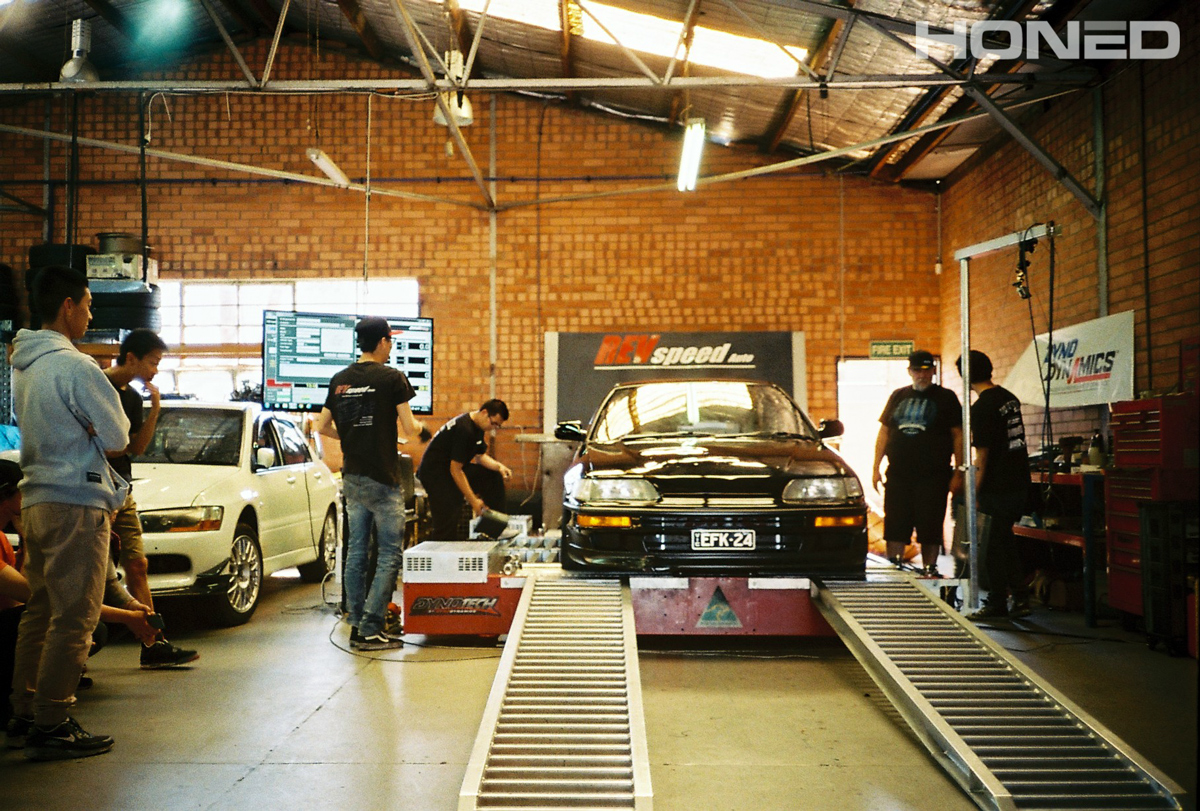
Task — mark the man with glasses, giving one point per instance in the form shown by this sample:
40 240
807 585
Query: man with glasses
367 408
456 467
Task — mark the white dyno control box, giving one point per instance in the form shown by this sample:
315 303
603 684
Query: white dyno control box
451 562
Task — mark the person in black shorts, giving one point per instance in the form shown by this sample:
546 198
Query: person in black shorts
456 466
367 407
1002 487
920 431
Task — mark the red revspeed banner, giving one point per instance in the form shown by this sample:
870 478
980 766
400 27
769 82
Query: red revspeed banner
582 367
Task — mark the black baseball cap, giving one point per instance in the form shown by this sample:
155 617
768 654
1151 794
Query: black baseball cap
370 331
920 360
10 475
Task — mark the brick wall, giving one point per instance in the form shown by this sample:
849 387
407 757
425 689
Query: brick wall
1010 191
761 254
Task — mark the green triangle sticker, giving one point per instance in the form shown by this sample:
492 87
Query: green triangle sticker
719 613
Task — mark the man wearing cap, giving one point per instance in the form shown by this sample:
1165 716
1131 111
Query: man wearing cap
367 407
920 431
1002 486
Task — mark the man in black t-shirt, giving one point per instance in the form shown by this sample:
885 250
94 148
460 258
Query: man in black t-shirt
456 466
920 430
1002 485
367 406
138 359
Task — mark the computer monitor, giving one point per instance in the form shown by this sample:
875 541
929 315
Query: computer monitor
301 351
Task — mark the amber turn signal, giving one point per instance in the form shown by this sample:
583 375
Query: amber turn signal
604 521
839 521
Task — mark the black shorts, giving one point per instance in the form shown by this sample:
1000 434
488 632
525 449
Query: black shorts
918 504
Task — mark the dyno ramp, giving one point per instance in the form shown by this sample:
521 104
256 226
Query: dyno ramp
563 727
1009 739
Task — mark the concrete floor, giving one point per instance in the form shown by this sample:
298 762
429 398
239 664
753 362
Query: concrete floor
278 713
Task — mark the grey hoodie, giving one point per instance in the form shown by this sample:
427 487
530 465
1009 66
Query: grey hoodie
56 391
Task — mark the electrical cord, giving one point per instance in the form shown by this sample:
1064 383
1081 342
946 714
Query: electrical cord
406 643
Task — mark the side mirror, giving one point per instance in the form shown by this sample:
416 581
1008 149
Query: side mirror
264 457
570 430
832 428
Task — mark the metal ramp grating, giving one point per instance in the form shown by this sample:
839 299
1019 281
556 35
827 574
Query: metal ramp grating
563 728
1009 739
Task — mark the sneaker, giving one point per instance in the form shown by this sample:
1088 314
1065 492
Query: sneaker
377 641
85 683
17 731
931 570
163 654
1020 609
64 742
989 612
897 561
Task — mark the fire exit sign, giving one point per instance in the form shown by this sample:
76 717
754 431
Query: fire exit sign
890 350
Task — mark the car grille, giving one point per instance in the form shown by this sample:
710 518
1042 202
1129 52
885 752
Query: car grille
673 533
167 564
719 502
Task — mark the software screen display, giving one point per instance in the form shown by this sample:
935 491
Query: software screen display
301 351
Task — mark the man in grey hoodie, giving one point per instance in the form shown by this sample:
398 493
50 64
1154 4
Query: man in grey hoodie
70 418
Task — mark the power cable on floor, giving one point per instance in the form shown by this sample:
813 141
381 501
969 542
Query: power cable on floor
406 643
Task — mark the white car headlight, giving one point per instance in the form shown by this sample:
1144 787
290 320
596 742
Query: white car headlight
184 519
823 488
615 491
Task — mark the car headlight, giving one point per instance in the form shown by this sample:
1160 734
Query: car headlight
184 519
822 488
615 491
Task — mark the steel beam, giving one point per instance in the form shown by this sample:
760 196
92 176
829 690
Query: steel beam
237 55
557 84
986 103
410 31
275 43
362 26
229 166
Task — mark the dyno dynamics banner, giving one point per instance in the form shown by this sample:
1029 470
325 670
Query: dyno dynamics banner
581 368
1089 364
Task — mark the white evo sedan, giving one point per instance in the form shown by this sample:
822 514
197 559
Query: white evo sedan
228 494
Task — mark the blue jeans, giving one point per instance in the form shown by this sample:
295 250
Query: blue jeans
367 499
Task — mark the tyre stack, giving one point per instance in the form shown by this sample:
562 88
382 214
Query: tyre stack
118 304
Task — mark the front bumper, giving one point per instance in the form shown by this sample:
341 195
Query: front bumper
787 542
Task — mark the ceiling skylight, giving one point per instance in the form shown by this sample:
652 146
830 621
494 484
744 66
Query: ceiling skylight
647 34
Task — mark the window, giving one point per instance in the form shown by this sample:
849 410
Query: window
214 329
295 451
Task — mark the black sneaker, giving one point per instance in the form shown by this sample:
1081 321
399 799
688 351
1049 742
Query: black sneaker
85 683
163 654
377 641
17 731
897 561
1021 608
989 612
64 742
931 570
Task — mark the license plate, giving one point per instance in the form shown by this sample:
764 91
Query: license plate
723 539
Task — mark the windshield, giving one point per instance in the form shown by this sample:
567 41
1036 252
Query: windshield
699 408
196 436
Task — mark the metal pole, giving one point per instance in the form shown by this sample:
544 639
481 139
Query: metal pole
971 597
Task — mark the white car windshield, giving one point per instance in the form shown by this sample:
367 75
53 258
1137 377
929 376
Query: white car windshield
196 436
700 408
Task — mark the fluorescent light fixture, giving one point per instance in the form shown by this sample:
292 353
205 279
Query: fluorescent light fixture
689 161
326 165
646 33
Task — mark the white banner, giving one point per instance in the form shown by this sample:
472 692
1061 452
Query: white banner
1092 364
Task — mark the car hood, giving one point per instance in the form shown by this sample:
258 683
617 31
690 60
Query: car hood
158 487
712 458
